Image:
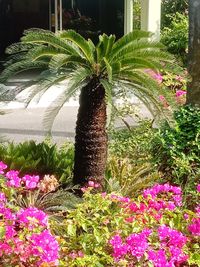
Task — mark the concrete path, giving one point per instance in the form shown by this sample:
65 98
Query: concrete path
19 124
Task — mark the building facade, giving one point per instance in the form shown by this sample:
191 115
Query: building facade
88 17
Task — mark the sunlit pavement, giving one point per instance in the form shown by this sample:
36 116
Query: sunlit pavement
19 124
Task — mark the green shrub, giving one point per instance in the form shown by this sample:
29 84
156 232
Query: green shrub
170 7
42 158
175 36
176 149
129 167
87 232
133 144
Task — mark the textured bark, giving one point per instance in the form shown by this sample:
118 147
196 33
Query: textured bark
91 137
193 96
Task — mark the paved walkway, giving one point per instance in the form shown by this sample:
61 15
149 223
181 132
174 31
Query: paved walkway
19 124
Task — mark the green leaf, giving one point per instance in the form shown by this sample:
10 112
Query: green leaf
2 232
71 229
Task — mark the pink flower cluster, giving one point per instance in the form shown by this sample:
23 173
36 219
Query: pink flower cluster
194 228
31 182
135 244
138 245
180 93
155 75
13 179
27 238
31 218
3 166
163 189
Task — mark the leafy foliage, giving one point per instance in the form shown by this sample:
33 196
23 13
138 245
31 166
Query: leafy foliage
133 144
175 36
171 7
127 178
43 158
129 167
177 148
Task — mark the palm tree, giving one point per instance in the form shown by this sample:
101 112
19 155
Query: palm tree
193 95
101 72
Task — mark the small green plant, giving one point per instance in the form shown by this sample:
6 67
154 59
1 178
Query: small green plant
171 7
128 179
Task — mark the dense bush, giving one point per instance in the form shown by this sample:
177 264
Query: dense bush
129 167
171 7
176 148
175 35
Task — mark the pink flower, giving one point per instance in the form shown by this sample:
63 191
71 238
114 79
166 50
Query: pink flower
3 166
13 179
179 78
163 101
180 93
31 182
119 249
32 217
198 188
2 197
45 246
194 228
171 237
155 75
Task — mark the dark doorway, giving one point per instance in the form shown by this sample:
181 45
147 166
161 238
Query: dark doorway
18 15
93 17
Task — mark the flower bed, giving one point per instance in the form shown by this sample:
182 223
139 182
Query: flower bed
104 230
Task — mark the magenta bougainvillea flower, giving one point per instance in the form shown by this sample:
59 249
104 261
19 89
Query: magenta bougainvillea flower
31 182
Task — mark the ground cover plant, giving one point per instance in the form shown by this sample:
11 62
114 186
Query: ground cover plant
152 229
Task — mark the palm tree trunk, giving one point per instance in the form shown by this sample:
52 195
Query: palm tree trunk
91 138
193 95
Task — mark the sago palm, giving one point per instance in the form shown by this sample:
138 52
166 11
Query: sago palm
101 72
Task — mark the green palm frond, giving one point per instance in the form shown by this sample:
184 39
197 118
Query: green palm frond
41 51
137 46
108 69
104 47
18 48
141 63
60 60
77 80
46 37
43 83
21 66
77 39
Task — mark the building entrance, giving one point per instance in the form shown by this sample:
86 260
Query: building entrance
88 17
18 15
